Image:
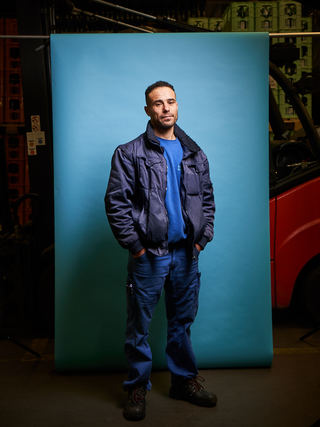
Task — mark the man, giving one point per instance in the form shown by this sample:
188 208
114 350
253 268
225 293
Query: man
160 207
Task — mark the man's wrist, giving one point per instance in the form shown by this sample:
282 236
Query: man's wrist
199 248
139 254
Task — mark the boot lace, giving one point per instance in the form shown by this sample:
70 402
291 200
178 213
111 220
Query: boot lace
194 384
138 394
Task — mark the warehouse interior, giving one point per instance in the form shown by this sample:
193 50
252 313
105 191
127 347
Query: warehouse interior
33 392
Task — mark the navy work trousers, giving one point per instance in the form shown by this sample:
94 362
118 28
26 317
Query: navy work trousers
148 275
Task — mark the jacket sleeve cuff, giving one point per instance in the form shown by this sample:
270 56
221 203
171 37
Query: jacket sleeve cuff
202 242
136 247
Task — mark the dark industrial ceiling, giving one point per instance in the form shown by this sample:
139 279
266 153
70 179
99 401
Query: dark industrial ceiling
74 15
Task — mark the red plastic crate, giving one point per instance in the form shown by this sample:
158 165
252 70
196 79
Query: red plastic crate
16 167
13 82
14 180
16 154
28 214
11 26
2 84
24 215
15 191
27 177
2 108
2 55
12 59
1 46
15 147
28 204
24 211
16 172
14 109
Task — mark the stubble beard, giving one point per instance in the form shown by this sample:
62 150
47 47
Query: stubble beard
163 126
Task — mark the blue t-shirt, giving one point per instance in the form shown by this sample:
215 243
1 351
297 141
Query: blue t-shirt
173 154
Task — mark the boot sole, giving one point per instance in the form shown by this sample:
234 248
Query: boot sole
190 400
134 418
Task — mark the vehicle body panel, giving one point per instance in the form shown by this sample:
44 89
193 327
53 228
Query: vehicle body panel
295 219
272 209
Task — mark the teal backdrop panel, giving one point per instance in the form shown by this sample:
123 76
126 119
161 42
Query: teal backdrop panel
221 82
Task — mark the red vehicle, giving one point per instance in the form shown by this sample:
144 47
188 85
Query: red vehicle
294 206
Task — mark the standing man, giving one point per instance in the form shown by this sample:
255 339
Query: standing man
160 207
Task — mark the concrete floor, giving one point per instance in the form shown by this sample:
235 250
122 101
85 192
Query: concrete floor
286 395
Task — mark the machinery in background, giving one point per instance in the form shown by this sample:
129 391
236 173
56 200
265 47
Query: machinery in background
294 208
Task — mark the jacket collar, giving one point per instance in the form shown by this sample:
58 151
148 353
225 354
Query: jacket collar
185 140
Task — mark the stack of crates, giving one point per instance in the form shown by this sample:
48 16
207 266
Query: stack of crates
289 22
267 20
212 24
289 16
266 16
272 16
239 16
251 16
293 73
201 22
306 46
2 98
216 24
12 118
12 76
18 173
306 59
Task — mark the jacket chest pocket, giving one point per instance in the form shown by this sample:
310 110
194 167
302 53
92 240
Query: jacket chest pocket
192 179
151 173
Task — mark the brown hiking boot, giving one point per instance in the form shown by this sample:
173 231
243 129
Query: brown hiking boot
135 408
192 391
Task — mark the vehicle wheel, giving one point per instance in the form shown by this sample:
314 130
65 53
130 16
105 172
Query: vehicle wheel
311 294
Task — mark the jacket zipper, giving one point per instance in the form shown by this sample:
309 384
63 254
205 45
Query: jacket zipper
165 194
183 196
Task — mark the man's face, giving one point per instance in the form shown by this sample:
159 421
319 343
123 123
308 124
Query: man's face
162 107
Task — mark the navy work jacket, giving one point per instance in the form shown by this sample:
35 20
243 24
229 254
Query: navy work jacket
135 196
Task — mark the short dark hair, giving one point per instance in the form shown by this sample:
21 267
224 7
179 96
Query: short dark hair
160 83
